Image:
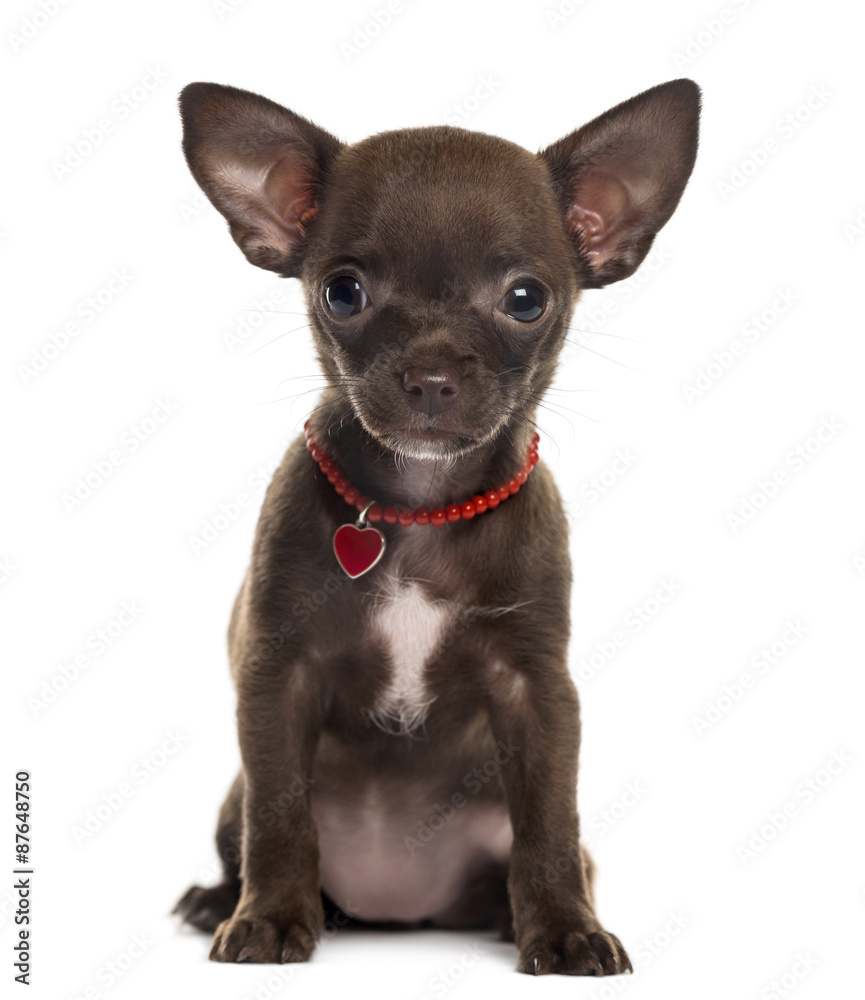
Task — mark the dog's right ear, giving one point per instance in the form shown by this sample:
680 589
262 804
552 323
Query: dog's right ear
620 177
261 165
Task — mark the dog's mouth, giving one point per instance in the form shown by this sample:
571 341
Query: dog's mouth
447 434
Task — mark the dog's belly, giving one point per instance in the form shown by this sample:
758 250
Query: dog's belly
389 854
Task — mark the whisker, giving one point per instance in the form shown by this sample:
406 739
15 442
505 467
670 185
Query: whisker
600 333
269 342
333 382
320 375
297 395
279 399
554 407
543 431
604 356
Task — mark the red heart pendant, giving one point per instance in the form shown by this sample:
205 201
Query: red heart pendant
357 550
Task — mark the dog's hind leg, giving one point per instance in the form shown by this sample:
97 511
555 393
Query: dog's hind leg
483 904
485 900
207 908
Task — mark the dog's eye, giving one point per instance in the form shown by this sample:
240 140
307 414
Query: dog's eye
345 296
525 303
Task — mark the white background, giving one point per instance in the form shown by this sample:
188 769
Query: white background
698 917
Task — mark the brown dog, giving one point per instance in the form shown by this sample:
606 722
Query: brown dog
407 723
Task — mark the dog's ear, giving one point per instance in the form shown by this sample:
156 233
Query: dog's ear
261 165
620 177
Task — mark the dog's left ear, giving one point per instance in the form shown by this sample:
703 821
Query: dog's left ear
620 177
261 165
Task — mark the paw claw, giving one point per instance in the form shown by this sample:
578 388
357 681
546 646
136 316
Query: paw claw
575 953
262 939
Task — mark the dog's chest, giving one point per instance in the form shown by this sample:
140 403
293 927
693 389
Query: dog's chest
410 627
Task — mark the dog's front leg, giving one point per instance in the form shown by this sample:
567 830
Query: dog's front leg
535 711
279 914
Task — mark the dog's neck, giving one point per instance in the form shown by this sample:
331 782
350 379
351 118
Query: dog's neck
397 480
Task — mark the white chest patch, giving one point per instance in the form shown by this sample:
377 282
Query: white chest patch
410 627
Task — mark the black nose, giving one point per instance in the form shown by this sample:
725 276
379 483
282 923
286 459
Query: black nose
431 390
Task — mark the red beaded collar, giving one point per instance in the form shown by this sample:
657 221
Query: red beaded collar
358 548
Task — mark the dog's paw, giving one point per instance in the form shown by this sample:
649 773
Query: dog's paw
207 908
573 953
262 939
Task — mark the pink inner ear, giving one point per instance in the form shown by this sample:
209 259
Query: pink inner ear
288 195
601 203
268 197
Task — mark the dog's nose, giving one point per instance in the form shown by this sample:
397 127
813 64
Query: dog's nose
431 390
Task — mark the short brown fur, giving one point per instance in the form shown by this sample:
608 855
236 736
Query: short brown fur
436 225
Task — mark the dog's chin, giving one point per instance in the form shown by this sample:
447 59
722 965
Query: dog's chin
430 446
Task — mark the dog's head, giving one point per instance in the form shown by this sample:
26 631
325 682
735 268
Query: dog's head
441 266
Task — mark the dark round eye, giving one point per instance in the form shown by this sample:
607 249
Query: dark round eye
525 303
345 297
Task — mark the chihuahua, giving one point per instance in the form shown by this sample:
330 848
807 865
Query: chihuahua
408 726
